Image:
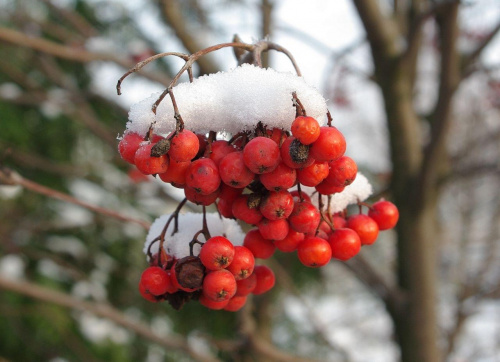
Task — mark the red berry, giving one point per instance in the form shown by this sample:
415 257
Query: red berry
211 304
300 196
277 135
235 303
233 171
129 145
265 279
200 199
385 214
314 174
203 176
146 294
324 188
305 129
218 150
281 178
226 198
244 209
290 242
155 280
294 154
338 221
314 252
304 218
150 165
329 146
343 171
344 243
184 146
277 205
273 229
261 248
217 253
242 264
246 286
219 285
261 155
365 227
176 173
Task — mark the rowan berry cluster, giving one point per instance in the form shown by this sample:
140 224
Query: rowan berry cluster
255 177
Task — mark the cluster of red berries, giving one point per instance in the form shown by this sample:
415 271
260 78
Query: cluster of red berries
221 277
249 178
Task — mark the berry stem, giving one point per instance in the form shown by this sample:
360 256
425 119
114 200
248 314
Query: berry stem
299 108
175 217
329 118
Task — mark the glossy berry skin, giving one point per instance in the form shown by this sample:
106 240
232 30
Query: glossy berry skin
211 304
147 295
294 154
281 178
365 227
129 145
243 212
217 253
290 242
338 222
385 214
184 146
233 171
277 205
265 279
246 286
343 171
200 199
344 243
273 229
226 198
235 303
203 176
261 248
261 155
324 188
155 280
313 175
305 129
176 173
329 146
219 285
242 264
314 252
150 165
218 150
304 218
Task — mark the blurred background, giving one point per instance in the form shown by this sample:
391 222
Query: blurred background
413 84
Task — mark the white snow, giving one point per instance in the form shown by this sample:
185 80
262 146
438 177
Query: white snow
231 101
356 192
190 223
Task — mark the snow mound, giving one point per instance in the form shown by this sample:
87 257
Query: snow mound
356 192
231 102
190 223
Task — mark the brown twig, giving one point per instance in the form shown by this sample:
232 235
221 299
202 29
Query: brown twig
10 177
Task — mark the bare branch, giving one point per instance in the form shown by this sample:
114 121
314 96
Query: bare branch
67 52
8 177
474 55
102 310
175 19
381 31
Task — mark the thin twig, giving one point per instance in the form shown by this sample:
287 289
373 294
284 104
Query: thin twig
9 177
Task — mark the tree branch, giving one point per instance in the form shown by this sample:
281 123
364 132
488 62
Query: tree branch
101 310
68 52
8 177
174 18
472 56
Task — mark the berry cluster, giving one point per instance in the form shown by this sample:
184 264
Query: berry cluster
221 277
256 177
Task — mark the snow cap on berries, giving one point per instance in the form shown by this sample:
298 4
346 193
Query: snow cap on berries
359 190
189 223
231 101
